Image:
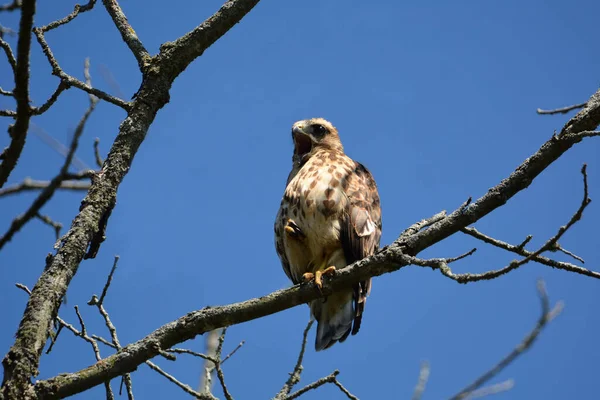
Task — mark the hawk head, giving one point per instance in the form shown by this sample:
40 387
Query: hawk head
314 133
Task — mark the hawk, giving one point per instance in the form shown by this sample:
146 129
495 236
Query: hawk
329 217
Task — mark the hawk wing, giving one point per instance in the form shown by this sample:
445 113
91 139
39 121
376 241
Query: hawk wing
279 225
360 229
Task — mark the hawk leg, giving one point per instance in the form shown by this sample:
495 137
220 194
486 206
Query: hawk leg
318 276
293 230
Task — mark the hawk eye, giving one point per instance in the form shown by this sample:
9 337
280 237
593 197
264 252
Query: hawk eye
319 130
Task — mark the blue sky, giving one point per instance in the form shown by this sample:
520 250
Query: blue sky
437 99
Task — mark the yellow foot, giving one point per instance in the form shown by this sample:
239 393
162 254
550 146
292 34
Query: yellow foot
318 276
292 229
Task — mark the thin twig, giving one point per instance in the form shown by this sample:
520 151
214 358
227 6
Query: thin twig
58 71
563 110
442 264
422 382
344 390
206 377
295 374
49 190
29 185
9 54
15 5
127 33
97 156
62 86
92 342
546 316
416 227
220 374
239 346
57 226
558 247
320 382
182 385
492 389
99 303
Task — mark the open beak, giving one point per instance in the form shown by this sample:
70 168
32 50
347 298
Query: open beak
302 140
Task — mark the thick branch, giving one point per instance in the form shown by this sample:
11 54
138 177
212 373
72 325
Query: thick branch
18 131
586 120
22 360
390 258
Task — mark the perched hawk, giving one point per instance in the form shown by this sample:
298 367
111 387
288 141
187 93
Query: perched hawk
329 217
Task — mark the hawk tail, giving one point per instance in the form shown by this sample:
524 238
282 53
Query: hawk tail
334 316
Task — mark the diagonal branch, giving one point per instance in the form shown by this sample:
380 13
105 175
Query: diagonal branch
525 253
15 5
66 79
127 33
18 131
546 316
295 375
22 360
49 190
151 97
562 110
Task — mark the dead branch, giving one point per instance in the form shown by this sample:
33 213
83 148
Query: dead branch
422 382
18 130
563 110
127 33
22 360
67 79
546 316
153 94
57 181
15 5
57 226
29 185
295 374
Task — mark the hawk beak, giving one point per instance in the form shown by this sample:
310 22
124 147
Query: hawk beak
302 140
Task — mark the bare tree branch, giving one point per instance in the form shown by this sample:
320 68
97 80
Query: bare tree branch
18 131
127 33
62 86
546 316
320 382
9 55
49 190
28 185
525 253
65 78
57 226
99 303
15 5
563 110
422 382
22 360
92 342
491 390
97 156
152 95
206 378
295 374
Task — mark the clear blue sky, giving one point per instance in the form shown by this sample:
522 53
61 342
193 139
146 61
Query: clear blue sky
438 99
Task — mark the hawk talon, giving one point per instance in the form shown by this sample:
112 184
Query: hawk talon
318 276
292 229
